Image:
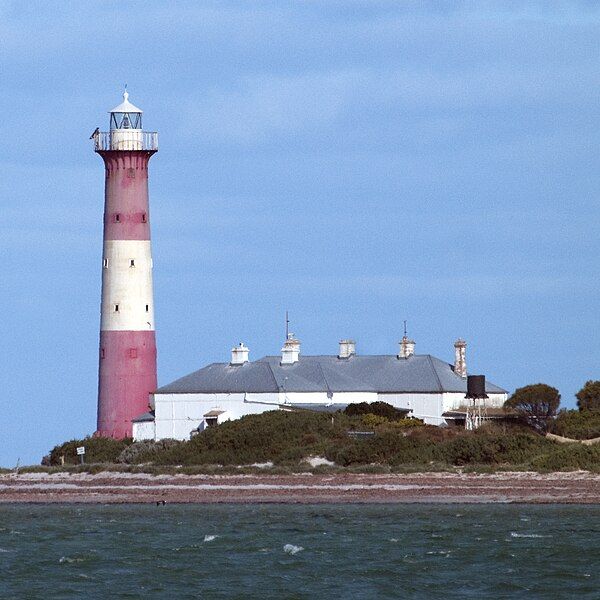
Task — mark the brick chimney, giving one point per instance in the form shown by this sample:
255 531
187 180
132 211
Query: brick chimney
407 347
290 353
239 354
347 348
460 358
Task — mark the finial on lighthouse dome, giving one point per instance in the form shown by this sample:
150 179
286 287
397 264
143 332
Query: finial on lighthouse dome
126 115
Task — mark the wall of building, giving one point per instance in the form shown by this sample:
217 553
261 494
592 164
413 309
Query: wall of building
177 415
455 400
422 406
144 431
323 399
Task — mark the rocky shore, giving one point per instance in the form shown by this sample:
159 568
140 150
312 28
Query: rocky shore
572 488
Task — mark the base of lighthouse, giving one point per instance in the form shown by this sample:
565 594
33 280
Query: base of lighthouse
127 373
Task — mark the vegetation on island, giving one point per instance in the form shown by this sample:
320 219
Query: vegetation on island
366 437
382 440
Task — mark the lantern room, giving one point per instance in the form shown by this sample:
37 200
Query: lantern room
126 115
126 131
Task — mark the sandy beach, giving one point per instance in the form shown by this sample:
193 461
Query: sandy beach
575 487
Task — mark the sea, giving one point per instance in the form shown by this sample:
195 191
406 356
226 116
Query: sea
300 551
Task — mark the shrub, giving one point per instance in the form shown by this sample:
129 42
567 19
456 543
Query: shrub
568 457
97 450
404 424
578 425
381 409
286 438
146 451
277 436
371 421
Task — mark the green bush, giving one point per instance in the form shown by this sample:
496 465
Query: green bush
146 451
482 448
278 436
569 457
381 409
97 450
371 421
578 425
287 438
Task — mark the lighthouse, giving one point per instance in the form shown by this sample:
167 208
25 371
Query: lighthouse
127 361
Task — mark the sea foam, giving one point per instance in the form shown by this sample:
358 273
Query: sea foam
291 549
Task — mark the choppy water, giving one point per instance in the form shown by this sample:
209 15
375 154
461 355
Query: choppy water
283 551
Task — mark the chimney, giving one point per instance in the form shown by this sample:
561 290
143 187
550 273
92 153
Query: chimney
407 348
239 354
460 358
347 348
476 387
290 353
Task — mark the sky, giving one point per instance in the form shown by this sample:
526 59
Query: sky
355 163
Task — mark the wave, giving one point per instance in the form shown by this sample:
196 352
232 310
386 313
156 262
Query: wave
210 538
514 534
68 559
291 549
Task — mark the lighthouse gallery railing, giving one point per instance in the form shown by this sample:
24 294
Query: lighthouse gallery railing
125 139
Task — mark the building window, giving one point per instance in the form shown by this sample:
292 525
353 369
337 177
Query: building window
144 218
147 307
102 353
117 218
132 352
105 263
116 308
131 262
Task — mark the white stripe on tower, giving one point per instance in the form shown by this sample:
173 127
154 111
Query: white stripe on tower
127 286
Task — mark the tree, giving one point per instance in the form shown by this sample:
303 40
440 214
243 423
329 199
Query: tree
588 397
536 404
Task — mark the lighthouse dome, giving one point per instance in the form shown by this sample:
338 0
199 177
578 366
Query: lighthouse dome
126 115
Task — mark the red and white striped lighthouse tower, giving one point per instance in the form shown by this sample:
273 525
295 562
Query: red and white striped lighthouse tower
127 372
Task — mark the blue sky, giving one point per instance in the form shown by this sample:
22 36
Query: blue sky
358 163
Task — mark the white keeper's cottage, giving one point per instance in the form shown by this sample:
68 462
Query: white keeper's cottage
426 387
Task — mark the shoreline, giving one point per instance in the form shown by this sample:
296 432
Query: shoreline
303 488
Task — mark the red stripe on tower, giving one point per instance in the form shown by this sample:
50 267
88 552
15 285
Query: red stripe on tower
127 371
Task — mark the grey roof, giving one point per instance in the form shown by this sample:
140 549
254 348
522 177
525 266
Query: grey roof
147 416
421 373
